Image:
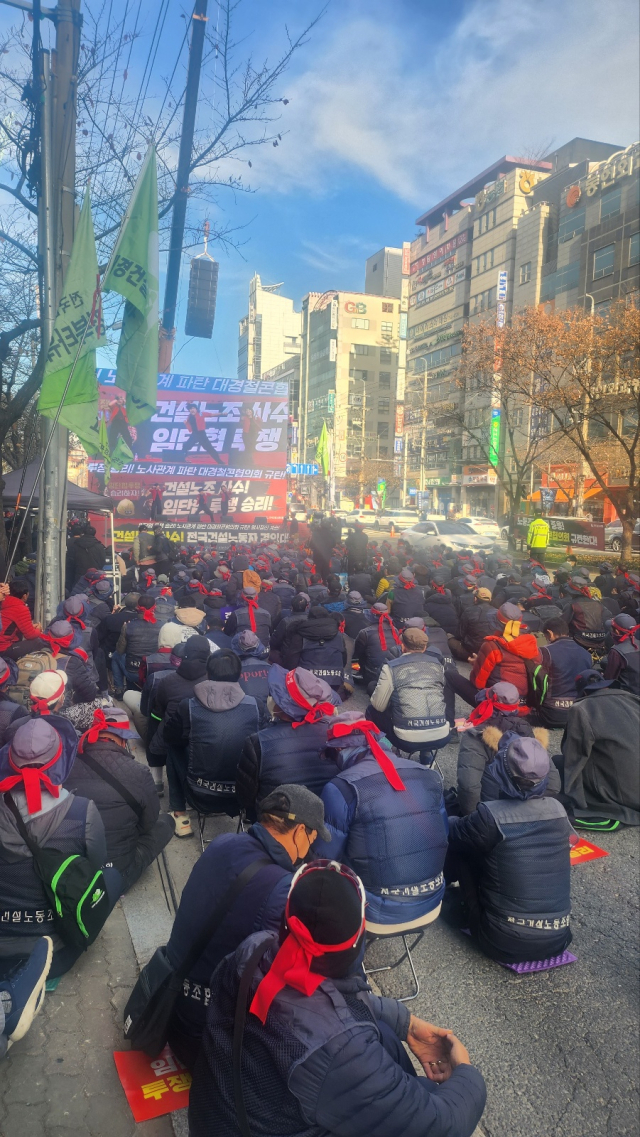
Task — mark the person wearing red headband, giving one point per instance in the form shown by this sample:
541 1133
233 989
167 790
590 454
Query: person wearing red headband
249 614
138 639
584 615
135 835
317 1033
64 643
290 748
411 703
623 661
387 821
406 598
34 766
376 645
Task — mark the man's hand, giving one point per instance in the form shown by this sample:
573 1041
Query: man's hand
472 658
4 591
437 1049
38 627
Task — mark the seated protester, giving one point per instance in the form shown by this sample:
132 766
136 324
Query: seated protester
85 627
410 702
376 645
509 590
537 610
137 640
179 683
289 748
98 600
356 615
333 1050
385 581
124 793
623 661
599 762
85 583
249 615
336 599
477 621
316 588
269 599
387 822
254 677
33 768
566 660
285 638
205 735
216 608
439 605
605 579
323 648
503 656
498 708
360 581
48 695
188 615
10 712
511 859
285 593
160 660
584 615
276 843
463 589
406 598
19 635
60 640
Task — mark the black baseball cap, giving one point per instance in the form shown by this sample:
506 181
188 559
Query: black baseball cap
296 803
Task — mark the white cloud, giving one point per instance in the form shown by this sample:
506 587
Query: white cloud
511 75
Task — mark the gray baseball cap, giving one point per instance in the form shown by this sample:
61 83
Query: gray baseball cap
296 803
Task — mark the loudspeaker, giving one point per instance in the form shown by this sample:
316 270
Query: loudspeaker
201 305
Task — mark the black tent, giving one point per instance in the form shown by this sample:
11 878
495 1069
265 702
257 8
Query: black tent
77 497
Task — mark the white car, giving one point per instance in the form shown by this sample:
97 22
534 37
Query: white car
362 516
485 526
399 518
455 535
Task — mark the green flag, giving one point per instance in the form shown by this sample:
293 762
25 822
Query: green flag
120 456
322 450
79 309
133 272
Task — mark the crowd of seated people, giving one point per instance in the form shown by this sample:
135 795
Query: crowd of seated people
237 667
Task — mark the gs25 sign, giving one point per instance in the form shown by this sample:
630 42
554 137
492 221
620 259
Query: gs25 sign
355 308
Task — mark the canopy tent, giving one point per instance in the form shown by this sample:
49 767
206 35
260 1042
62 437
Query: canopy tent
77 497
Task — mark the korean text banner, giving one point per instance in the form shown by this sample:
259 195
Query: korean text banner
216 449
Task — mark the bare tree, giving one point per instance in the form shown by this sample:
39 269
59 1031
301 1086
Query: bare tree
239 109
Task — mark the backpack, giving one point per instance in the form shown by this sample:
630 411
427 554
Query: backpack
28 667
76 892
537 679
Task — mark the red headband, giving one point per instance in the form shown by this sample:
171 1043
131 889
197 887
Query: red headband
383 639
292 965
99 724
32 779
76 620
314 713
166 591
42 705
629 633
251 605
407 583
147 614
364 726
439 588
57 642
486 708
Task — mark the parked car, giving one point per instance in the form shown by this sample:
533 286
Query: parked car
454 534
485 526
613 536
399 518
363 516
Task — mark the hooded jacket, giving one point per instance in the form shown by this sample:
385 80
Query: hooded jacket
180 683
396 841
478 746
476 622
356 617
501 660
88 552
324 1054
441 608
122 826
600 749
210 729
323 648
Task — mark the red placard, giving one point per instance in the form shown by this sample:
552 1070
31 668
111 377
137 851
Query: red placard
584 851
153 1086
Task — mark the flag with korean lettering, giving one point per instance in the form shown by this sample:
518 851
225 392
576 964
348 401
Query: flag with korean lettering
322 450
133 272
79 314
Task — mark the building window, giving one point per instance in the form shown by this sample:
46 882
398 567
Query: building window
525 273
634 249
383 406
485 222
361 349
603 262
356 373
384 379
483 301
387 307
385 355
610 202
374 268
485 261
386 328
383 430
383 451
571 224
357 322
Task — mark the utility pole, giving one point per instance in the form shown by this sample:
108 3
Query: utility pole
57 81
167 329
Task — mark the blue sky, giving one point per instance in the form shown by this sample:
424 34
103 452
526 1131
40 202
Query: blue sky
392 104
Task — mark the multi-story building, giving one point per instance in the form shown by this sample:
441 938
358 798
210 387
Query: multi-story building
269 333
504 240
384 272
350 359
